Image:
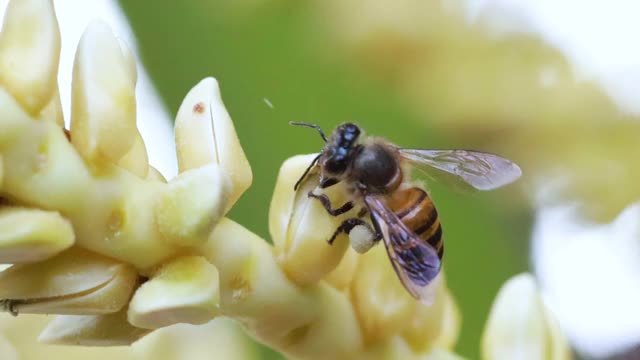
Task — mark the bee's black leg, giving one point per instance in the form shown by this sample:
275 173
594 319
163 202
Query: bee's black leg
325 183
9 305
324 199
348 225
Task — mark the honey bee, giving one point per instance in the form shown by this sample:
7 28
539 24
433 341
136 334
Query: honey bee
376 174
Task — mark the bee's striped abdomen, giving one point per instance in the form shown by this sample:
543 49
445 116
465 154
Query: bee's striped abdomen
416 210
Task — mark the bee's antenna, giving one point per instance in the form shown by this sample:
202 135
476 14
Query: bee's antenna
313 163
314 126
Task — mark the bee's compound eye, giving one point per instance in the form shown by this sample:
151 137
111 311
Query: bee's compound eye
335 166
351 131
349 136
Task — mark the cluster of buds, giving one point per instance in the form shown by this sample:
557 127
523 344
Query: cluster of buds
94 233
97 236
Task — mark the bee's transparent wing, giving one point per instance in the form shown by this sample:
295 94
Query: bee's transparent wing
415 261
483 171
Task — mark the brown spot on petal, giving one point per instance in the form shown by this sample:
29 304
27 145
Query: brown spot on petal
198 108
67 133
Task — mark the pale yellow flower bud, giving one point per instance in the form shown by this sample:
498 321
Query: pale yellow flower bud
7 350
397 348
14 120
129 59
451 322
192 204
1 171
299 321
92 330
74 282
221 339
205 134
300 226
437 324
521 327
250 279
103 114
148 254
53 111
383 305
155 175
29 53
184 291
138 223
136 160
341 277
28 235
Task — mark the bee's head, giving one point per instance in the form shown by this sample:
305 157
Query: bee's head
337 154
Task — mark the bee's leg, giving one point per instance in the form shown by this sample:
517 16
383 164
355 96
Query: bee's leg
9 305
324 199
327 182
349 224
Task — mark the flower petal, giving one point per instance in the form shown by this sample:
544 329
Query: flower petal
432 325
14 121
251 281
28 235
205 134
520 326
154 174
300 226
136 160
221 338
192 204
7 350
397 348
129 59
53 110
185 290
103 114
296 320
74 282
29 52
383 305
341 277
451 323
92 330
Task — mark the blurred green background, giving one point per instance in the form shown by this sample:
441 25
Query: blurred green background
292 54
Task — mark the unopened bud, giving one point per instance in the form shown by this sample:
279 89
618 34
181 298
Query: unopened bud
521 327
300 226
205 134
